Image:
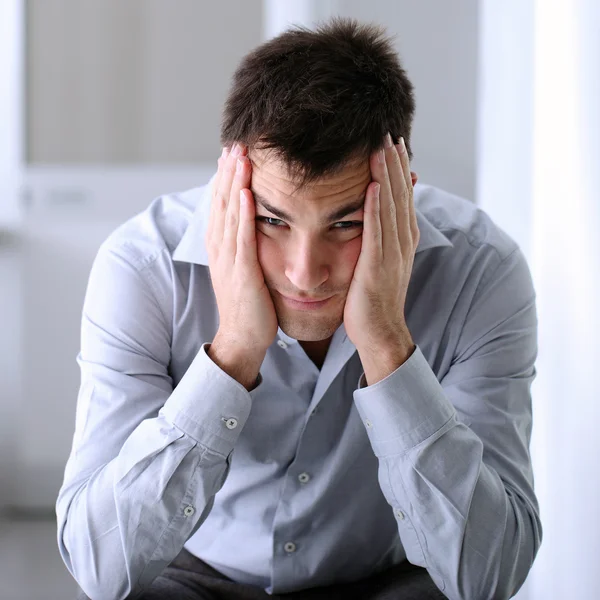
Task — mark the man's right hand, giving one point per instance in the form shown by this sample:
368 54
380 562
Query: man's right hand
247 318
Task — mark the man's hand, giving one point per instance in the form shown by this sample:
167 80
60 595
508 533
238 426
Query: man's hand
247 318
374 312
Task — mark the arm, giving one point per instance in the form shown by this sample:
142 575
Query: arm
142 453
454 460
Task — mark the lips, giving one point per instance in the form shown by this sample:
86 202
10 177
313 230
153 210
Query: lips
305 303
308 300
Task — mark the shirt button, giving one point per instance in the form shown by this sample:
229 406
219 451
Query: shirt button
303 477
368 423
281 344
290 547
188 511
400 515
231 423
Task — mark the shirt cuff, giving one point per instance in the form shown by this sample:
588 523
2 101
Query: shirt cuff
209 405
405 408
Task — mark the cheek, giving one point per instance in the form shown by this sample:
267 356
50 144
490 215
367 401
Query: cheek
269 254
347 257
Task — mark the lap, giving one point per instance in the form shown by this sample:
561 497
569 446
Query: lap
188 578
163 588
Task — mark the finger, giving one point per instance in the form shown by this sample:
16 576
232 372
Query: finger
214 198
220 162
246 236
230 233
410 198
241 180
399 192
372 242
387 208
223 194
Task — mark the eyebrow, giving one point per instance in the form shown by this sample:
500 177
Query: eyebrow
336 215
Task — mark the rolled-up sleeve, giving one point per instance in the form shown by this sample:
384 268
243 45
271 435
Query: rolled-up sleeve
454 461
147 459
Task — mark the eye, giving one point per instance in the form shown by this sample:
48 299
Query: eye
269 221
273 222
347 224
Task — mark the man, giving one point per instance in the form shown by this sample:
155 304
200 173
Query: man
309 378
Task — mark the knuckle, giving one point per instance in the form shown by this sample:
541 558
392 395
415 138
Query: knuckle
231 218
231 162
220 200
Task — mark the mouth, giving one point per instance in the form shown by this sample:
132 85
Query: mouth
305 304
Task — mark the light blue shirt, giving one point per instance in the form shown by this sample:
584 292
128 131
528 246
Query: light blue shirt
311 478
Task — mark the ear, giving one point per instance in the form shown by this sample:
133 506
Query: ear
414 178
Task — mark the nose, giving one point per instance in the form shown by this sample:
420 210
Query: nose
306 266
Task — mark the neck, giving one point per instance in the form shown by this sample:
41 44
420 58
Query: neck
316 351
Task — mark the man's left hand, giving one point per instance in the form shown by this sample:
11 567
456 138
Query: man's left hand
374 312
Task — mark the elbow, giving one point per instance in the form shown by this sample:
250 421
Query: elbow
82 561
518 555
96 584
500 574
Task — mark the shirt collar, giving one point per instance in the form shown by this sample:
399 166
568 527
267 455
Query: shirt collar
192 247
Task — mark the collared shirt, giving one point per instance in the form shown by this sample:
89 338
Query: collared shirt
312 478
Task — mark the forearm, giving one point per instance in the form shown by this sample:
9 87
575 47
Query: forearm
476 535
126 508
119 528
467 515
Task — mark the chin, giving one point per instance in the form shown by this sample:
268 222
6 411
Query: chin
308 329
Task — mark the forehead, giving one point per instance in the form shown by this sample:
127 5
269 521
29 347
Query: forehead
271 179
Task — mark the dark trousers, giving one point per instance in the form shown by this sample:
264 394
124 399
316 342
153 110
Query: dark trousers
189 578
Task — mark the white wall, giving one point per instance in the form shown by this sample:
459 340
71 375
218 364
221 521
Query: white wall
11 408
11 103
11 144
132 82
506 114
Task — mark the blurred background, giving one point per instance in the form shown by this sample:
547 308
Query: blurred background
106 104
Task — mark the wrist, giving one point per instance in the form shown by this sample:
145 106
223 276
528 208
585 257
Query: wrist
241 363
382 358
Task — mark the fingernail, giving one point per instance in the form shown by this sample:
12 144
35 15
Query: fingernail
236 150
388 140
402 145
239 165
381 156
225 152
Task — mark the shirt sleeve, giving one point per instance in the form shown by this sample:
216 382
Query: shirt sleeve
146 460
454 460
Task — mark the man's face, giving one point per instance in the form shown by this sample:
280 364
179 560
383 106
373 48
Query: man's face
306 252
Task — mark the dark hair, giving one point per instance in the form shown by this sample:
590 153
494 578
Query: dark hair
320 99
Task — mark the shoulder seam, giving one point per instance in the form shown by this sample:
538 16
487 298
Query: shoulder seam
481 244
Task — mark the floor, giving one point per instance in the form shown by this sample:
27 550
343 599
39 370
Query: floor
31 567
